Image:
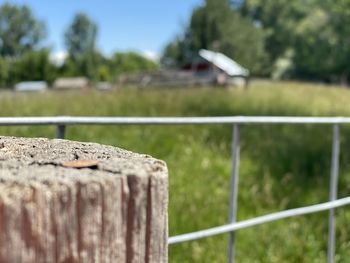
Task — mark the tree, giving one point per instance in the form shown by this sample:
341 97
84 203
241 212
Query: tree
19 30
312 35
218 26
33 65
80 40
338 41
302 36
314 39
174 53
131 62
279 28
4 73
30 66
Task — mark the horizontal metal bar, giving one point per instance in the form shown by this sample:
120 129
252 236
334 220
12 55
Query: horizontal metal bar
259 220
67 120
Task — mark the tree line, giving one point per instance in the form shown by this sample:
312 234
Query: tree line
298 39
282 39
24 58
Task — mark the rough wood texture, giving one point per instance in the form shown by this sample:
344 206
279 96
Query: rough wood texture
113 212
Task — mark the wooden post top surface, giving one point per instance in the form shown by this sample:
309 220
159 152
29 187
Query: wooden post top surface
44 159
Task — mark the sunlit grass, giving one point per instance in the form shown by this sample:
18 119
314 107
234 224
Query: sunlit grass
281 166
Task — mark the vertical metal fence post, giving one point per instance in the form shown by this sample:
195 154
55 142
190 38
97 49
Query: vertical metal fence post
333 191
233 191
60 131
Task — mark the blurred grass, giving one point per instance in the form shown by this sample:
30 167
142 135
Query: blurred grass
282 166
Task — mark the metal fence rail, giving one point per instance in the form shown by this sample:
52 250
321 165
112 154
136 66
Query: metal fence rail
259 220
67 120
236 121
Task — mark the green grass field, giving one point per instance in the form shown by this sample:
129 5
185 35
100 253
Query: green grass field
281 166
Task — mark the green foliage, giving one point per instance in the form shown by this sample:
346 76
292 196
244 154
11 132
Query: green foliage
306 40
281 166
339 36
21 60
85 60
20 36
69 68
217 26
316 33
131 62
80 40
80 37
4 72
19 30
104 73
279 28
174 54
31 66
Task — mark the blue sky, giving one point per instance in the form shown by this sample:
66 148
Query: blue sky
143 26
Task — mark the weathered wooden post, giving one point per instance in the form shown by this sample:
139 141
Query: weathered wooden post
63 201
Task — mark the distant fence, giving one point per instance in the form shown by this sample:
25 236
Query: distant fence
232 226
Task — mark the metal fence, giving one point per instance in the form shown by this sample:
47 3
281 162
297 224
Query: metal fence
232 226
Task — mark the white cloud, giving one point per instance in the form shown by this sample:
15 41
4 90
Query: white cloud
57 58
152 55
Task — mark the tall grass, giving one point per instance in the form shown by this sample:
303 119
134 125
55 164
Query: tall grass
282 166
